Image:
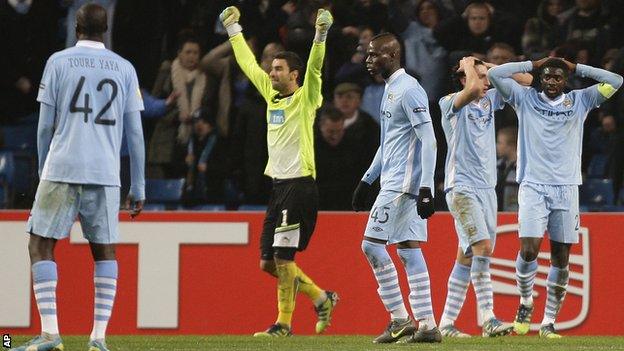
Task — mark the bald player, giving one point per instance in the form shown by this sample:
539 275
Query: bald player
405 161
89 96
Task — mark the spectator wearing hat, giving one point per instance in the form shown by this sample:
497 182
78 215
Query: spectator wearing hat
360 127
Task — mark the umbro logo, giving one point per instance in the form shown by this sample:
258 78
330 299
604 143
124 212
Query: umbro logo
377 229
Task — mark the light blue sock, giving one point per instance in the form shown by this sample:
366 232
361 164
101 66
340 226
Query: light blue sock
105 281
387 278
482 283
525 278
458 283
45 278
557 285
420 287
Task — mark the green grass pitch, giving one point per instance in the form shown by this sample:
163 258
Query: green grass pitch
303 343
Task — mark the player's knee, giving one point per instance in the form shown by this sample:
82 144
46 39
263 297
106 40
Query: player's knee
529 252
482 248
103 252
375 253
40 249
267 266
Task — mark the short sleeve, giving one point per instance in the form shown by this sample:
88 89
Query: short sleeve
134 100
446 105
48 85
416 106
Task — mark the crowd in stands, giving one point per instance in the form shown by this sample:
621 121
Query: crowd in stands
204 123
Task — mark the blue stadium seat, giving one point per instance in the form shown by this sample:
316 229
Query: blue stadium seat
597 193
252 208
207 207
597 166
163 193
7 167
21 137
7 174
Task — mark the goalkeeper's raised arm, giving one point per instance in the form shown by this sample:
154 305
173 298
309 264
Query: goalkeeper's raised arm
243 54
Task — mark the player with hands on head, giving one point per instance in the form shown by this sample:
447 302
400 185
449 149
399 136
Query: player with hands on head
550 136
469 184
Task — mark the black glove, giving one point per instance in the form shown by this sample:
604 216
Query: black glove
425 204
360 195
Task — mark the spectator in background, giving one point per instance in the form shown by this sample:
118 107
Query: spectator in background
248 147
373 13
224 82
355 69
474 32
498 54
154 109
423 54
587 24
602 146
373 94
140 34
501 53
506 186
360 127
541 32
27 37
206 174
337 166
172 132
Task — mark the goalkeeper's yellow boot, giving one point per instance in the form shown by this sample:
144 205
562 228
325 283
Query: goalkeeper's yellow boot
276 330
523 319
548 332
324 311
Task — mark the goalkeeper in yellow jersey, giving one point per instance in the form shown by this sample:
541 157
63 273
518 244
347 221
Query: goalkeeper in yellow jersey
293 206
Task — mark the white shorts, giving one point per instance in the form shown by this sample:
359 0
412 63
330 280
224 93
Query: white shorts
474 211
58 204
549 207
394 218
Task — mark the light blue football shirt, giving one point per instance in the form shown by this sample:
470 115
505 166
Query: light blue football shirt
550 132
471 140
404 106
91 88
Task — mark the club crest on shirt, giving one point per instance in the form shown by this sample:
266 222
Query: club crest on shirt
567 103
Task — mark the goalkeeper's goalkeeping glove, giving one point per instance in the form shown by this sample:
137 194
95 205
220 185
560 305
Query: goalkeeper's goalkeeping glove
324 20
229 17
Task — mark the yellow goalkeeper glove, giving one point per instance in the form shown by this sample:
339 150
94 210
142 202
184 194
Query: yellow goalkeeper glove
324 20
229 17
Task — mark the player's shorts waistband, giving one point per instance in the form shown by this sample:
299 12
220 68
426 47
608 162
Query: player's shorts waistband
306 179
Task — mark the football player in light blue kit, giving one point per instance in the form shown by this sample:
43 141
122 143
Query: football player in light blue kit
405 161
88 96
549 171
470 178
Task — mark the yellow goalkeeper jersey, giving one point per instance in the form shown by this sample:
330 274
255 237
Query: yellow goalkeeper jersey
290 120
